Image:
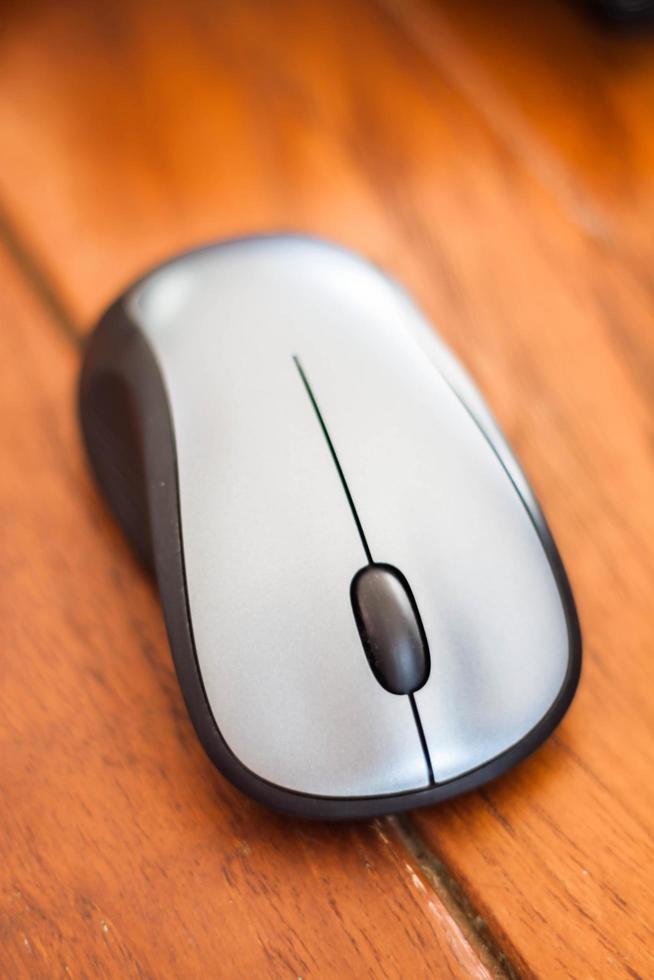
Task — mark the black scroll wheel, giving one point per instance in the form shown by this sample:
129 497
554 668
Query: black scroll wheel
390 628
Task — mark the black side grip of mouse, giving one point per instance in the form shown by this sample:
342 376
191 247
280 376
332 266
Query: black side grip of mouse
115 447
128 434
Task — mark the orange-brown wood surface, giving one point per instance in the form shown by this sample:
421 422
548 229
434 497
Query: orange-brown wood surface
498 158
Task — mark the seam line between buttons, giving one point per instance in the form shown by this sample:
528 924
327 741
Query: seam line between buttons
414 707
332 450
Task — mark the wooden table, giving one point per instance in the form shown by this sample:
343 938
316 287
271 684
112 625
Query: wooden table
498 157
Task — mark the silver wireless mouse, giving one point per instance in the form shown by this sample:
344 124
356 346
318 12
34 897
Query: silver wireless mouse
365 606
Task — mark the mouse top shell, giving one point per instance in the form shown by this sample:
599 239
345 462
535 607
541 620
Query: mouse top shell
271 417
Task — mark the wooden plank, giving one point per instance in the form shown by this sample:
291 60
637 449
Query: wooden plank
573 98
558 854
161 127
572 101
122 852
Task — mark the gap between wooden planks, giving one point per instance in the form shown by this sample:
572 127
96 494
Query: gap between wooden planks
129 133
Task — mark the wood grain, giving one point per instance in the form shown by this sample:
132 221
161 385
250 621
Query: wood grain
572 97
464 149
122 852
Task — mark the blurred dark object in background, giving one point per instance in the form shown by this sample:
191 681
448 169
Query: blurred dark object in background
626 11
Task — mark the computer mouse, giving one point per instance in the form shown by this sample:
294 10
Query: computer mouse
366 609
